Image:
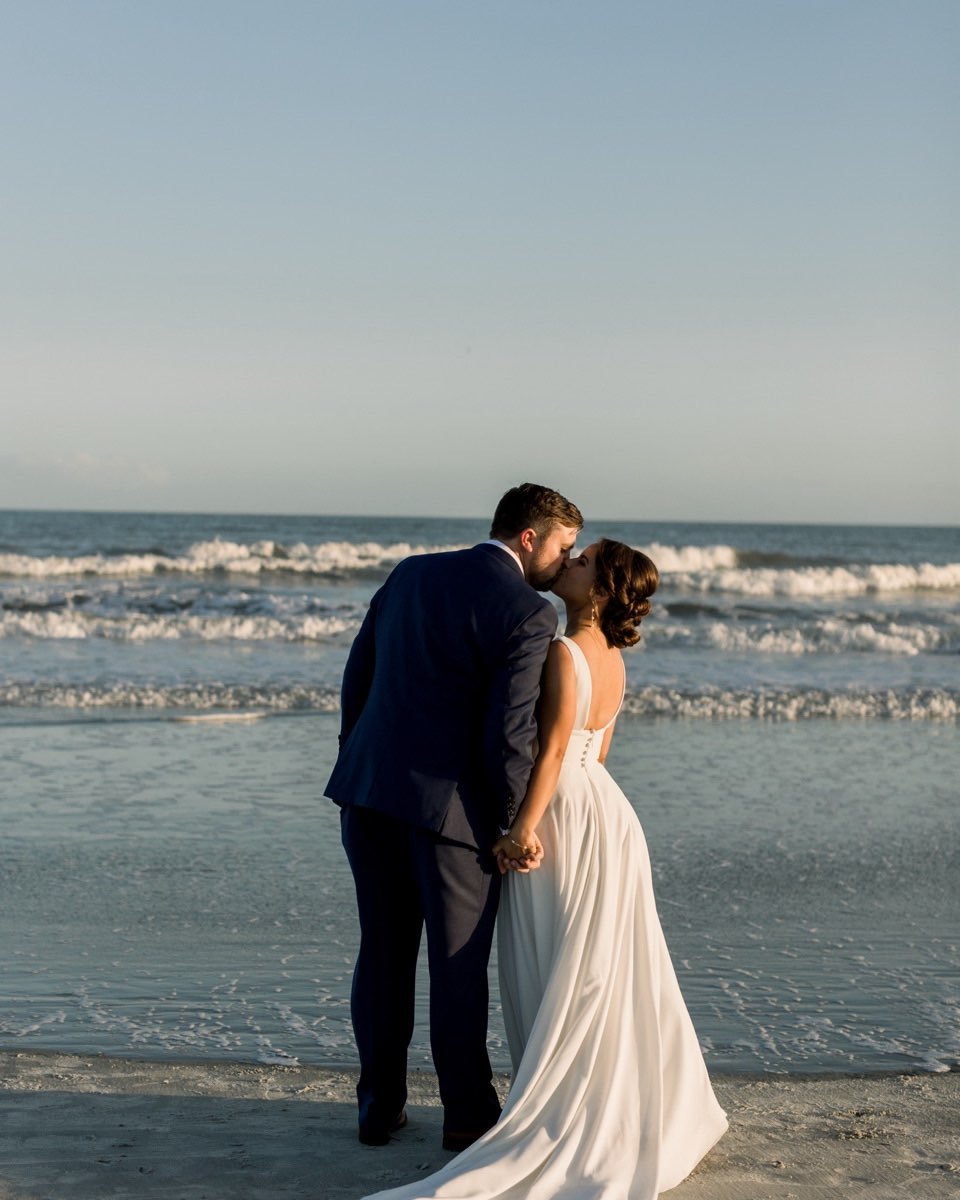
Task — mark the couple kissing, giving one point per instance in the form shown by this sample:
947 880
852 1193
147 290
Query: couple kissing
474 799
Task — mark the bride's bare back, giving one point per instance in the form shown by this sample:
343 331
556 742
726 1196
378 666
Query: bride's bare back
606 676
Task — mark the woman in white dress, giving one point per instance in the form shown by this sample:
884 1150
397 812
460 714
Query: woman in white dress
610 1096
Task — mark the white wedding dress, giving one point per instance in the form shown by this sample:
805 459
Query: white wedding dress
610 1096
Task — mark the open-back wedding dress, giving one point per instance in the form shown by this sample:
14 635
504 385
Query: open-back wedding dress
610 1096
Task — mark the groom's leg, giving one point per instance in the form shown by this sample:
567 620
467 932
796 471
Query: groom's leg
459 891
391 920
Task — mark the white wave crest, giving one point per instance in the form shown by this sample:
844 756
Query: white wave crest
140 627
828 636
813 582
670 559
236 558
918 704
913 704
716 569
199 697
710 568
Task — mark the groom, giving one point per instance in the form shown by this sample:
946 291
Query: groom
436 748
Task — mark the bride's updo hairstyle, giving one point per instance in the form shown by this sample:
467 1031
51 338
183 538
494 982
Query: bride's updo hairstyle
627 578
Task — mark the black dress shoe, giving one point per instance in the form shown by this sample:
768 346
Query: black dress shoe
372 1133
460 1141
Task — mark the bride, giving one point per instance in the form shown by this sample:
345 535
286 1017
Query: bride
610 1095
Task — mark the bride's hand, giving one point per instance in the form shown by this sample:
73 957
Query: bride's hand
518 850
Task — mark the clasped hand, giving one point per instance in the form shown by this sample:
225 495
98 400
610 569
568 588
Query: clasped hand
518 854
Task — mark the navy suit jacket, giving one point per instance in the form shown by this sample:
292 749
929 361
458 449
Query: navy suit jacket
439 691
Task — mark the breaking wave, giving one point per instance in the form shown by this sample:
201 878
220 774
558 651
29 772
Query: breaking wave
330 559
671 559
142 627
700 569
199 697
904 704
304 618
829 636
908 704
814 582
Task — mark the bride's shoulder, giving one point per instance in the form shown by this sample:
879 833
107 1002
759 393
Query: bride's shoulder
562 648
558 685
560 662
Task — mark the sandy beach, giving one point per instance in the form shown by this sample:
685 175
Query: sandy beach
87 1128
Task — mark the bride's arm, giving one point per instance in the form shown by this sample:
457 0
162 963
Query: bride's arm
558 706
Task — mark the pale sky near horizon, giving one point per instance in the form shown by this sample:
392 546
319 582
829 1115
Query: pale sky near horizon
681 260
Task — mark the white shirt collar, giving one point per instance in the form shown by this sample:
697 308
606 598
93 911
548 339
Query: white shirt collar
513 554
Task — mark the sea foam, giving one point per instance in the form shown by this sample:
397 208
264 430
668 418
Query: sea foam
200 697
670 559
224 557
824 636
712 568
828 636
785 704
813 582
799 704
142 627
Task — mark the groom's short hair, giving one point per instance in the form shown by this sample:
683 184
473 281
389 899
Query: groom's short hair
533 506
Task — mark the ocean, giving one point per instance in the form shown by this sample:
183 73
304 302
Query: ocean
171 878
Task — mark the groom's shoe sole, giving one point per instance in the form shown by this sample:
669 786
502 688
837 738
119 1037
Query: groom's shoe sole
379 1135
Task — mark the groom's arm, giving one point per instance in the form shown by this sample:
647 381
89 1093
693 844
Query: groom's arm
510 727
358 673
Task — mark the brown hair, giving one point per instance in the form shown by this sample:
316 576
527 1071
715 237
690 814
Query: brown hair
627 578
532 506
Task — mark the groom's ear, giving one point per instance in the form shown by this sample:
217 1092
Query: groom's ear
528 539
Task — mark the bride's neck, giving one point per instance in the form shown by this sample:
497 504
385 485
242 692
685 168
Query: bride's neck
579 618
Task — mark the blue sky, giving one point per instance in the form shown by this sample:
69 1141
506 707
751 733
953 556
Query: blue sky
681 260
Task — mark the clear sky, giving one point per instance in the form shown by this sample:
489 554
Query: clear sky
681 259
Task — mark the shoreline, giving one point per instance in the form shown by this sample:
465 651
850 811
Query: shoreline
87 1127
13 1058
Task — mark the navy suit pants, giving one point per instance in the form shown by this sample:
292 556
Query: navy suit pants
407 877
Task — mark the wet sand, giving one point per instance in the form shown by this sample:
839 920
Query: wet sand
96 1128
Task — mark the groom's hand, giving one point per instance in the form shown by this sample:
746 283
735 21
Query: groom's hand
520 865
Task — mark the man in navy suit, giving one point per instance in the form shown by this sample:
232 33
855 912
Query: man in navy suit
437 744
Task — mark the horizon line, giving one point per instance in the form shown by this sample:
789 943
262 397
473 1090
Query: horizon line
185 512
